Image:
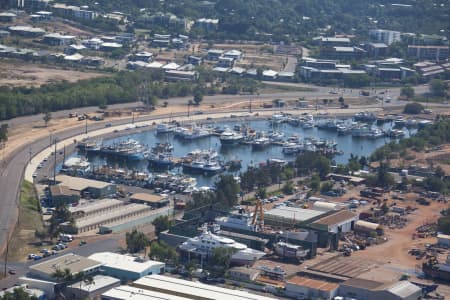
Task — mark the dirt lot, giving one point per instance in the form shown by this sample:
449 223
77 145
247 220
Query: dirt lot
21 74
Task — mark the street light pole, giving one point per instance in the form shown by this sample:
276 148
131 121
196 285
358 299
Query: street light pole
85 127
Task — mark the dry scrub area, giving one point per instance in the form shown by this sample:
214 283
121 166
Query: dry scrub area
25 74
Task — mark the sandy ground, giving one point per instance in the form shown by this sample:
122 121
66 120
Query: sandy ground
21 74
395 250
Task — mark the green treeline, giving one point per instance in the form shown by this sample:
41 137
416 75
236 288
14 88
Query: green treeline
430 136
119 88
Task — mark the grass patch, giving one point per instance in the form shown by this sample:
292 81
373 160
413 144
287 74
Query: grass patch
23 240
274 88
430 99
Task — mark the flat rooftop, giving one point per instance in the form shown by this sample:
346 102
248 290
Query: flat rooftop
293 213
124 262
100 282
70 261
193 290
347 267
79 184
313 283
96 205
133 293
112 214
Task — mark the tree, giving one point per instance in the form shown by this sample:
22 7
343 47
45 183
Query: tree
413 108
438 87
18 294
315 183
407 91
162 223
227 191
341 100
326 186
163 252
47 117
261 193
220 260
444 224
3 133
136 241
384 178
288 188
198 97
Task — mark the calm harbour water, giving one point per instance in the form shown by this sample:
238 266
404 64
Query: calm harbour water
346 143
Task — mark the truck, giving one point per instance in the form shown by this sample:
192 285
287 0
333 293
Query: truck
65 237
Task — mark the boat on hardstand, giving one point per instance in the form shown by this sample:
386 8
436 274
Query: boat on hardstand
204 245
287 250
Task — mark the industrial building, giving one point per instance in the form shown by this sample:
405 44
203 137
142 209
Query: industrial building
285 216
363 289
87 187
94 207
61 194
86 290
307 288
113 218
125 292
192 290
433 53
126 267
149 199
73 262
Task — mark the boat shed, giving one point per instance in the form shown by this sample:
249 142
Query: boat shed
87 187
150 199
341 221
127 267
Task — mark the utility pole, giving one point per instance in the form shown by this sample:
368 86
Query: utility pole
85 126
54 164
132 117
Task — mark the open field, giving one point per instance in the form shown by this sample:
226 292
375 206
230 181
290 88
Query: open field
22 74
29 220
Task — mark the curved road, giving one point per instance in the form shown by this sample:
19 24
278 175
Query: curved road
12 167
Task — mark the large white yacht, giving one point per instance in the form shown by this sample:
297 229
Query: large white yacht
205 243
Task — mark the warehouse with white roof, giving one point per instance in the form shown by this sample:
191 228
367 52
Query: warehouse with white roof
127 267
192 290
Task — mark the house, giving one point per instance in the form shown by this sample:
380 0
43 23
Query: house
93 43
56 39
433 53
26 31
142 56
179 75
60 194
108 46
376 49
385 36
127 267
234 54
299 287
214 54
269 75
207 24
194 60
225 62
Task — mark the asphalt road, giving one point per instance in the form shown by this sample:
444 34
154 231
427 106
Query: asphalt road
12 167
106 245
